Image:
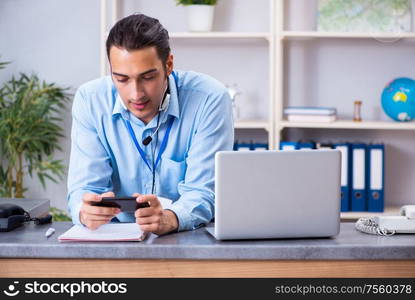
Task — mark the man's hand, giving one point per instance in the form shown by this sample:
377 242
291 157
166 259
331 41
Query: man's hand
155 219
94 216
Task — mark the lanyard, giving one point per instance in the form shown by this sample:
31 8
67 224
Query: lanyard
163 143
162 146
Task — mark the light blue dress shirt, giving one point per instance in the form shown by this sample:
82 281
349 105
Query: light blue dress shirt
104 158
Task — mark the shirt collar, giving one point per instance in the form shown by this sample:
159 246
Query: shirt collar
119 106
172 110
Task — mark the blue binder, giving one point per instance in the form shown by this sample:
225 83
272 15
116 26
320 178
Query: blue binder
285 145
358 197
346 174
245 147
324 146
235 145
376 177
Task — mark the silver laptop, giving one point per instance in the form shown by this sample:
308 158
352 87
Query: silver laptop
277 194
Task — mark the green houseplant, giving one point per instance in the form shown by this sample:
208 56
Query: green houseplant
199 14
3 63
30 113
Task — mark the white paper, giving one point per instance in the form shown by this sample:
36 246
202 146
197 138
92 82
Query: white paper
106 232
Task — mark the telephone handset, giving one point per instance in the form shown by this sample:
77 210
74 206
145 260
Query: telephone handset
389 225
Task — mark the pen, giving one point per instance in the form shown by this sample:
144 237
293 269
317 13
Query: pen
49 232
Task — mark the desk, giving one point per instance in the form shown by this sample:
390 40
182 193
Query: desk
25 252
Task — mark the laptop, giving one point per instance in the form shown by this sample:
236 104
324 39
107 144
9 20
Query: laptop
277 194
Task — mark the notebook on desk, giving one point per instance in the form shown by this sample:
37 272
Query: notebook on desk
114 232
111 232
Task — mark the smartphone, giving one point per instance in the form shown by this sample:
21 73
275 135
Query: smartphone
126 204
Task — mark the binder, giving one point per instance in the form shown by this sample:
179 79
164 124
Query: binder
306 145
359 191
346 175
235 145
285 145
376 177
244 147
324 146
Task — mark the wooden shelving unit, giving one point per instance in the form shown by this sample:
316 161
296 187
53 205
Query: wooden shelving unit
346 124
354 216
286 35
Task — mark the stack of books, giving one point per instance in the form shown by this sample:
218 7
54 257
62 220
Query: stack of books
310 114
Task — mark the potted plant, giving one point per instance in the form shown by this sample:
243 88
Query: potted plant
199 14
30 113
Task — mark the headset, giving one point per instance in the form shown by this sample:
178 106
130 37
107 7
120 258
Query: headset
164 104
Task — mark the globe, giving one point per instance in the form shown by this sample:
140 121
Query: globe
398 99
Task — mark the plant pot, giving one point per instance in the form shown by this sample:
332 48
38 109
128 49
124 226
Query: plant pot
200 17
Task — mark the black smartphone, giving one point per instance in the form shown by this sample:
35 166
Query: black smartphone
126 204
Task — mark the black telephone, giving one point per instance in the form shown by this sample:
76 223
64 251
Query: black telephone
13 216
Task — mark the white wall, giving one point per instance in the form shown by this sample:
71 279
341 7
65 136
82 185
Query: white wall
60 41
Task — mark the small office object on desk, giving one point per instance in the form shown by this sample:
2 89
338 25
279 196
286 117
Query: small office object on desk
35 207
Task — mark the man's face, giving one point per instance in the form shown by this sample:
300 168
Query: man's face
140 79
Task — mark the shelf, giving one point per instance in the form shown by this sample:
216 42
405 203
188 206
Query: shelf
220 35
347 35
252 124
355 215
346 124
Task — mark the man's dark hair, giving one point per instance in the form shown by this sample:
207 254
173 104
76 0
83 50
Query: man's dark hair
139 31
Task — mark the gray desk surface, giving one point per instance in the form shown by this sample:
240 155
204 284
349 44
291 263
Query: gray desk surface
29 241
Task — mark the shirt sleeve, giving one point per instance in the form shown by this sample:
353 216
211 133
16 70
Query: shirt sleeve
214 132
90 170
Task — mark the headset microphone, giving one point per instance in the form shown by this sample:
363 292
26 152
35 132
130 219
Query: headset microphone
147 140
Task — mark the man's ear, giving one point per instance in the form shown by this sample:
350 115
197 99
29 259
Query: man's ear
169 64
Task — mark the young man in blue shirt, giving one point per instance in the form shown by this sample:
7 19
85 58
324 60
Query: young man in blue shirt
148 131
